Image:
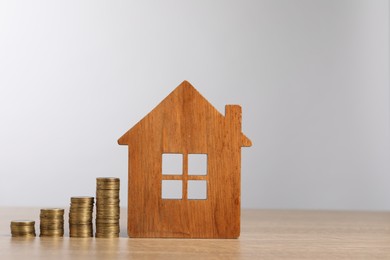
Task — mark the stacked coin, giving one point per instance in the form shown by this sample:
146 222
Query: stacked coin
107 207
52 222
80 217
23 228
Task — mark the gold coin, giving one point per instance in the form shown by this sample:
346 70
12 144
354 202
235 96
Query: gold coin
107 179
99 235
24 235
51 235
104 229
22 222
107 222
52 211
108 199
82 198
52 232
52 225
108 207
107 193
81 204
108 212
48 220
23 229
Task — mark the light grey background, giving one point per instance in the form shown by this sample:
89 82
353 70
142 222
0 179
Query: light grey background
312 78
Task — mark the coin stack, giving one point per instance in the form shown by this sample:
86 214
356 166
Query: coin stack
80 217
52 222
23 228
107 207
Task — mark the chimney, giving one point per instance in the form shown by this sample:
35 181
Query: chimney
233 116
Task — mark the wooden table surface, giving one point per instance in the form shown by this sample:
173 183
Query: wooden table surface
265 234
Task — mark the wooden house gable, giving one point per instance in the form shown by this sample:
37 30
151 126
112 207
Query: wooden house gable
183 119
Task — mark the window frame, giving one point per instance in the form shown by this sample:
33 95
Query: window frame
185 177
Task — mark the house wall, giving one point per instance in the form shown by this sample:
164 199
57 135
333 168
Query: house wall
312 78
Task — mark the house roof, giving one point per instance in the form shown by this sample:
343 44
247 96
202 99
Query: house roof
184 87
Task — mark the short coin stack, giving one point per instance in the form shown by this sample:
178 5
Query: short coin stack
107 207
23 228
52 222
80 217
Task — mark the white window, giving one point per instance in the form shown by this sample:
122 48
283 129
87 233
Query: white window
172 189
197 190
197 164
172 164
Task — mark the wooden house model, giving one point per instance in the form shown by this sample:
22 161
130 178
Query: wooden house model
187 126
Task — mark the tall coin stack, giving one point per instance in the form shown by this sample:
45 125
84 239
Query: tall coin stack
52 222
80 217
23 228
107 207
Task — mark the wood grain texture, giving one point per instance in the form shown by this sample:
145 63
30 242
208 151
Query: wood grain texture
265 234
185 123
